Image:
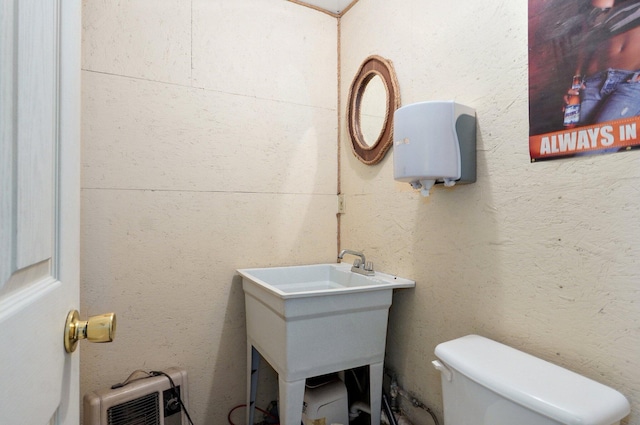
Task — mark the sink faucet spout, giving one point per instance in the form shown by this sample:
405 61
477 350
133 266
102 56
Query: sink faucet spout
352 252
360 265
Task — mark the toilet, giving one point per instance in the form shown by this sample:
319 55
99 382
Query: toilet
488 383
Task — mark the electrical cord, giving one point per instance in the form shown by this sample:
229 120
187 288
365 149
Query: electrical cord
132 378
175 392
257 408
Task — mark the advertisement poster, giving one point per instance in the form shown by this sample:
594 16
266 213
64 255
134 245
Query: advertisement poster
584 77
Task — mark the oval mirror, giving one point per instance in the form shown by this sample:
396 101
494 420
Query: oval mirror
373 110
373 98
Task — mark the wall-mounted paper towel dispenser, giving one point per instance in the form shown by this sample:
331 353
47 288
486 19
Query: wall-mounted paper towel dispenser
434 142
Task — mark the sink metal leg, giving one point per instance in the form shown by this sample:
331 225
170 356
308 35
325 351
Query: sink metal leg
291 398
253 362
376 371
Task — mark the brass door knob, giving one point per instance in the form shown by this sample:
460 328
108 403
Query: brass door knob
100 328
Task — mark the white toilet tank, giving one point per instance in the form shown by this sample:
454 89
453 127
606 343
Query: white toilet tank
488 383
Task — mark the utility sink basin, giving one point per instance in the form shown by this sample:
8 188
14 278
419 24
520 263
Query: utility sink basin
313 320
319 280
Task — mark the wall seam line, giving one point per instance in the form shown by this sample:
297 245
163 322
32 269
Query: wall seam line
339 137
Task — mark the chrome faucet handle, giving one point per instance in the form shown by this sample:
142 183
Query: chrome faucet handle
363 268
368 266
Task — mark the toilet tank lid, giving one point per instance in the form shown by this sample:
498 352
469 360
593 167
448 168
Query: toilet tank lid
545 388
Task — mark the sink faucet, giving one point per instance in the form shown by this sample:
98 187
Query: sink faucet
360 265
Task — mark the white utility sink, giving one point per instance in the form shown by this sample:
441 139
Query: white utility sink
316 319
319 280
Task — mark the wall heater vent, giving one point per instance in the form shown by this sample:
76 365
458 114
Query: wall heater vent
146 401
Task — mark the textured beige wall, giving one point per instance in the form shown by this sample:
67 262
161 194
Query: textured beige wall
209 144
543 257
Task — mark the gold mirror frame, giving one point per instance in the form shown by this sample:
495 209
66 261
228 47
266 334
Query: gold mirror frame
372 66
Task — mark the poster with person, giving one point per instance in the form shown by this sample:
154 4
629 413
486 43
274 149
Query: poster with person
584 77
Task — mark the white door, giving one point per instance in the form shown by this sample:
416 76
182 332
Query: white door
39 209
